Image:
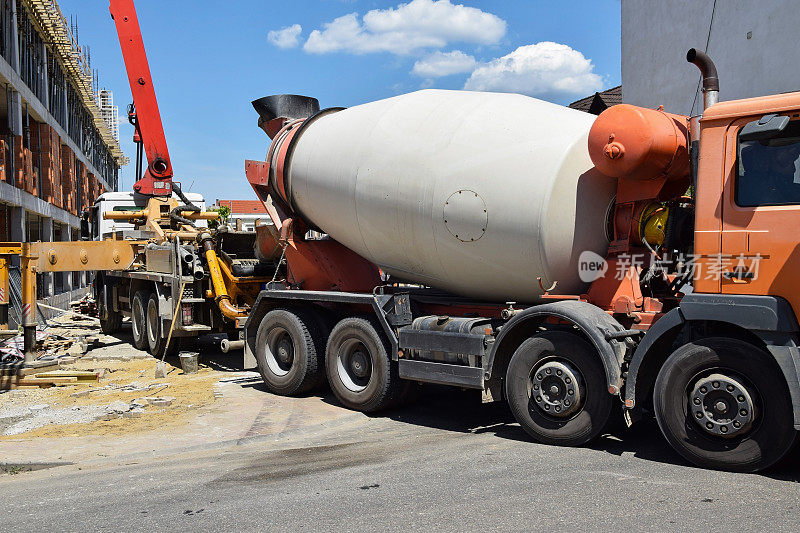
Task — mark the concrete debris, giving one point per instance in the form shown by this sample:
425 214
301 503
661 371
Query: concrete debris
78 349
121 391
134 386
159 401
14 423
161 370
118 407
113 388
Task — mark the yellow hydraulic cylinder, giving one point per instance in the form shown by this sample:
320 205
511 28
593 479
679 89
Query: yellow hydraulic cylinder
220 290
132 215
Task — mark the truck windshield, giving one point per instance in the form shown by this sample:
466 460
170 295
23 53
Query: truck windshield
768 171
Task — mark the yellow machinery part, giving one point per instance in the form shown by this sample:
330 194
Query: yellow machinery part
220 290
655 227
653 224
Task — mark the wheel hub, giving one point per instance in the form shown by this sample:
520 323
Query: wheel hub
285 352
556 388
280 351
359 364
721 406
354 365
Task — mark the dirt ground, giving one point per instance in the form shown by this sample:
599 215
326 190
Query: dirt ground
131 413
128 398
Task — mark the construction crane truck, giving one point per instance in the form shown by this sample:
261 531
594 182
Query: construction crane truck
562 263
154 255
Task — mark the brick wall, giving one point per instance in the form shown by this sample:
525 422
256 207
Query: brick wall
69 189
46 147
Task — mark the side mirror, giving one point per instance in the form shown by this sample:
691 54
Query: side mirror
766 127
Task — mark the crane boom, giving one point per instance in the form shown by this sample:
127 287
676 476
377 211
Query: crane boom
144 114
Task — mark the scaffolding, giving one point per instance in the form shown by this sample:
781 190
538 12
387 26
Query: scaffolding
48 16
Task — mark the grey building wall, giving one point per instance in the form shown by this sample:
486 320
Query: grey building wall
754 44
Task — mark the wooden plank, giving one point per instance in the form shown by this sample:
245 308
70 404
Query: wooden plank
20 370
48 381
80 376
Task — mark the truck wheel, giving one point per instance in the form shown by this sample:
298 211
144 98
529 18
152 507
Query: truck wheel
156 336
359 369
112 323
286 354
139 320
556 388
722 404
319 327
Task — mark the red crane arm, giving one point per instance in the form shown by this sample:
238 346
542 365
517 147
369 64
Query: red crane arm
157 179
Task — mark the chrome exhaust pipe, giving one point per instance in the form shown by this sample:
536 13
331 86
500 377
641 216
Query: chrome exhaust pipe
709 72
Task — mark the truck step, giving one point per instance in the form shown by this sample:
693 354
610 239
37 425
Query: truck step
444 374
194 327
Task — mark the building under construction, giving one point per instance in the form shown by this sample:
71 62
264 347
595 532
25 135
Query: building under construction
59 146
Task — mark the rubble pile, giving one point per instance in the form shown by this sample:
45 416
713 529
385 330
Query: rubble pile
85 306
85 382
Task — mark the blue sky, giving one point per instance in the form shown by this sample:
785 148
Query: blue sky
210 59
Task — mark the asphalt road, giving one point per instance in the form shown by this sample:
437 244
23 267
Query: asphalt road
446 463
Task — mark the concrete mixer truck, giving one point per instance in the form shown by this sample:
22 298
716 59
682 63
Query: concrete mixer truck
566 264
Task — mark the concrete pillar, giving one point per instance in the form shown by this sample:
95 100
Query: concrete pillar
14 44
45 79
18 230
64 102
15 113
66 235
47 277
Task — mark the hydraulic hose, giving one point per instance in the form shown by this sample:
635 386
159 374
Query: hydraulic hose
221 295
174 216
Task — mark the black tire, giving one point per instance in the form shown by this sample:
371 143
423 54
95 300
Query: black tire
139 319
770 433
156 334
112 323
286 354
577 423
319 326
354 344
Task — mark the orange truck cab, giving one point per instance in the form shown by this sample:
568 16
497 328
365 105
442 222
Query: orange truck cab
721 369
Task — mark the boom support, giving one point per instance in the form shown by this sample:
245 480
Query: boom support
39 257
144 114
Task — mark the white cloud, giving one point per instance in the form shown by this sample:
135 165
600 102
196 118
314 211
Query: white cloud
409 27
287 37
440 64
546 70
